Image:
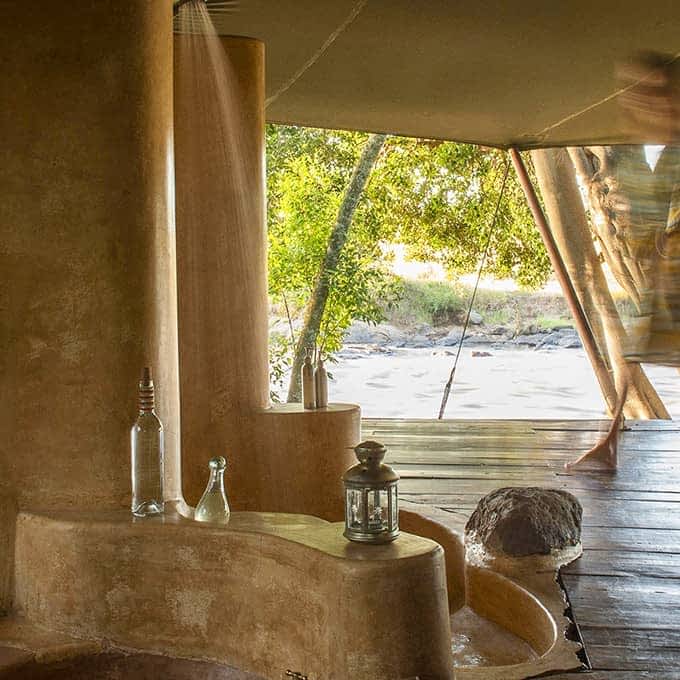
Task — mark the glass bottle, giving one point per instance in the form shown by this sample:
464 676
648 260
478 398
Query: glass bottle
308 389
321 384
146 444
213 506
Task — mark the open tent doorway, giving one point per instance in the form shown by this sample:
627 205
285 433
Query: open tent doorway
403 303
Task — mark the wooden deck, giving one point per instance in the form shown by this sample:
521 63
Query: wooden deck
625 590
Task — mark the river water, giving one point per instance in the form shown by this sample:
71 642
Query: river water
511 383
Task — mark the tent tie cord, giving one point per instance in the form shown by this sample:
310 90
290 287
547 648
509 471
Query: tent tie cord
622 90
492 227
318 54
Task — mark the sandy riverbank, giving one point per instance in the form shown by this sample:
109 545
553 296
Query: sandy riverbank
512 382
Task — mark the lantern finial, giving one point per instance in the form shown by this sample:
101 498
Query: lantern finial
370 452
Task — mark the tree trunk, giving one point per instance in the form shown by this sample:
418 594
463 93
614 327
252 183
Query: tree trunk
574 238
593 351
336 243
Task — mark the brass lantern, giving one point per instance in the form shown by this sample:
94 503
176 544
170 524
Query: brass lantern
371 507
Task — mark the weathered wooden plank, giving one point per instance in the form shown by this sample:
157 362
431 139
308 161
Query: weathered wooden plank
511 431
633 649
490 455
643 602
526 424
618 675
489 480
613 495
603 513
630 513
586 425
624 563
519 440
464 469
532 422
632 540
641 473
508 436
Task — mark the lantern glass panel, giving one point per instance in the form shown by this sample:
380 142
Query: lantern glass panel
355 508
378 509
395 509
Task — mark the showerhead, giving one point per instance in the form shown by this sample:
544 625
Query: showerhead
178 3
214 6
190 17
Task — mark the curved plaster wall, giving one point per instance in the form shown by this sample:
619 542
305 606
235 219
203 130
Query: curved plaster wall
269 592
298 458
527 602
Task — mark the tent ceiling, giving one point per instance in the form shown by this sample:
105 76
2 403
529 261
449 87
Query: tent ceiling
494 72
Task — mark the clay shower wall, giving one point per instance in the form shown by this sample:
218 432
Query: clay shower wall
222 257
87 293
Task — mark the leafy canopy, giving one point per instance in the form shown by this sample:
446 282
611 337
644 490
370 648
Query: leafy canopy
437 198
308 171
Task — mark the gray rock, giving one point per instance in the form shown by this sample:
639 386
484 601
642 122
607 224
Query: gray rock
419 341
362 333
480 339
521 521
424 329
395 336
565 337
452 338
475 318
551 340
532 340
570 341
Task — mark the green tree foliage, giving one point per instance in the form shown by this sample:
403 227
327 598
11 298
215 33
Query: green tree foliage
308 173
329 276
437 198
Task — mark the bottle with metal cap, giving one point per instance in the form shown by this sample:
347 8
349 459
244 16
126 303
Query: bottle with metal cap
146 451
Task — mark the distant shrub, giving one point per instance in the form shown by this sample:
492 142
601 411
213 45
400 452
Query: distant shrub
433 302
441 303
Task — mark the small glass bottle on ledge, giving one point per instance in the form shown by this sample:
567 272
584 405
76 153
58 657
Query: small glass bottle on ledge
146 442
213 506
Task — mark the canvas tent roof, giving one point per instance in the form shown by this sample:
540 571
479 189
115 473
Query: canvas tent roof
496 72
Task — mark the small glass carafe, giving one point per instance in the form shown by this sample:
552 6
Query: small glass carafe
213 506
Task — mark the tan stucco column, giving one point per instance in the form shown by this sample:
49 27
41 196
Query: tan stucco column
279 459
221 255
87 292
